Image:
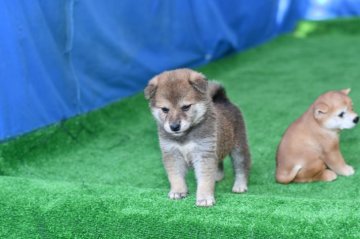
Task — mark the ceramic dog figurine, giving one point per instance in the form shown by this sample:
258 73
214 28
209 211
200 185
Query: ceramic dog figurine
309 150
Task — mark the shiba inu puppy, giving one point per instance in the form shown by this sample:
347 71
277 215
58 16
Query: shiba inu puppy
309 150
198 126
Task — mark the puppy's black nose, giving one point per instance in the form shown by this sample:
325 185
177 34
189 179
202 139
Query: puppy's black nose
175 127
356 120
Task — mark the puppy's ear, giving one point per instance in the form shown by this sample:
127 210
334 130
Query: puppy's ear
198 81
150 89
320 110
346 91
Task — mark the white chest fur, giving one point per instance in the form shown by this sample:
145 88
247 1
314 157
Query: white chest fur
184 149
189 149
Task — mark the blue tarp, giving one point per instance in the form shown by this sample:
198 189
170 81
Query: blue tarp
61 58
328 9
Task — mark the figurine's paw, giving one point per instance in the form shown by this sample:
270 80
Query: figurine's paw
348 170
328 175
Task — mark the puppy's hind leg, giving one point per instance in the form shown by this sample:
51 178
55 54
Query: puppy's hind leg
220 172
241 161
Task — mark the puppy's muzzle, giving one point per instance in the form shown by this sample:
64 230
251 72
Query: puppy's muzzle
356 120
175 126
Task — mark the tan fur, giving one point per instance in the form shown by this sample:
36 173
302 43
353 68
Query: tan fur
309 150
210 129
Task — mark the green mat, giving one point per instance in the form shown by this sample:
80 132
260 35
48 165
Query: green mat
100 175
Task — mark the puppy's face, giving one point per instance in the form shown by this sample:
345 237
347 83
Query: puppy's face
334 111
178 100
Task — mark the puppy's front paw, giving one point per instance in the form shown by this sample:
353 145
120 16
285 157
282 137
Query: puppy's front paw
177 195
348 170
205 202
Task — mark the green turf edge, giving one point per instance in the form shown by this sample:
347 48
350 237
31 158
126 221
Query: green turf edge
116 214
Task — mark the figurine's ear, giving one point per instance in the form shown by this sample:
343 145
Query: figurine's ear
198 81
150 89
346 91
320 110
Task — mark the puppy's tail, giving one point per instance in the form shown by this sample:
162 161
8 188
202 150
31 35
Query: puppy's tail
217 92
286 178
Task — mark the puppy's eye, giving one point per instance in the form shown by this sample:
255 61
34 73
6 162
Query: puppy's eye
185 107
165 110
341 114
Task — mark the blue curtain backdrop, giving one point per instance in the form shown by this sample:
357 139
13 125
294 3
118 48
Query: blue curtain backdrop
60 58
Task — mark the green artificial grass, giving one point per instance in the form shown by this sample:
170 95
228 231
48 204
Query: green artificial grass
100 175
